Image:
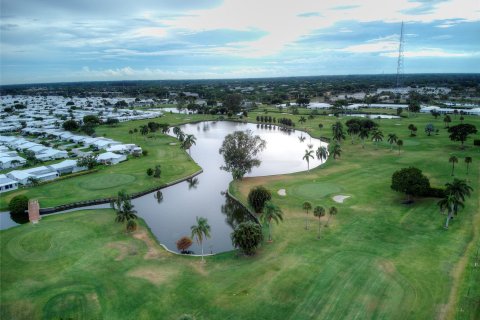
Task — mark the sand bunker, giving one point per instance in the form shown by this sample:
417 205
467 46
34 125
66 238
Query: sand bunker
173 143
282 192
340 198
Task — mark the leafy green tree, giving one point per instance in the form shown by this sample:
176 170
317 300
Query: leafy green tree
149 172
392 138
113 122
453 159
89 161
70 125
257 197
307 206
412 129
91 119
322 153
239 150
18 204
429 128
331 212
336 151
410 181
200 231
233 102
319 212
144 130
247 236
460 132
307 156
271 213
377 136
157 172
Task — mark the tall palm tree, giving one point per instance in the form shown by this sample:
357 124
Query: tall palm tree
399 144
331 212
336 151
468 160
363 135
392 138
353 130
307 156
377 136
271 212
322 153
188 142
337 131
201 230
176 130
453 159
302 119
455 192
307 206
319 212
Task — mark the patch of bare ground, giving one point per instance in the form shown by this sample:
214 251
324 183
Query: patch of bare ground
154 274
153 249
123 248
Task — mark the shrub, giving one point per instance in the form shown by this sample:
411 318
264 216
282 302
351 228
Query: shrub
149 172
145 153
18 204
257 198
476 142
434 192
247 236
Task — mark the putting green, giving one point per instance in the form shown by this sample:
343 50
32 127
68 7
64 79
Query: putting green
314 190
106 181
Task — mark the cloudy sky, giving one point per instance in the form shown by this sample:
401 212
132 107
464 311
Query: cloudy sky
74 40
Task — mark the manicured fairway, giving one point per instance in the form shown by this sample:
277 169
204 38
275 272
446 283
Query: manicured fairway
378 259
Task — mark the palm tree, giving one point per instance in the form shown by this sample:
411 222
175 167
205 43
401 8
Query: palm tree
176 130
322 153
455 192
337 130
307 206
319 212
201 230
453 159
336 151
144 130
363 135
399 144
302 119
353 130
331 212
377 136
392 138
468 160
188 142
271 212
308 155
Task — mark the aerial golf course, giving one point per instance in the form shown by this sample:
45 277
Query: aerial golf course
379 258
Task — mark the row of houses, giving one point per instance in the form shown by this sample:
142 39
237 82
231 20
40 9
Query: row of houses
10 158
40 151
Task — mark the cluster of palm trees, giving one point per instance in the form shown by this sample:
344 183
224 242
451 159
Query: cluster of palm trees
318 212
453 160
393 139
124 209
187 140
455 194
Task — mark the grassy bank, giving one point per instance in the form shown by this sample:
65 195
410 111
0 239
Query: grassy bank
378 259
130 175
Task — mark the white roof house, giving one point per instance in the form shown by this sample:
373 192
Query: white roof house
41 173
51 154
37 148
11 162
111 158
7 184
66 166
125 148
104 143
319 105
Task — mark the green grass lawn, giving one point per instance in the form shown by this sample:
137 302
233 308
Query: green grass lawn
378 259
129 175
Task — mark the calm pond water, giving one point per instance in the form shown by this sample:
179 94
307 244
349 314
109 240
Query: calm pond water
171 212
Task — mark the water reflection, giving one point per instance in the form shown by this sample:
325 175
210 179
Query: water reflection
159 196
234 212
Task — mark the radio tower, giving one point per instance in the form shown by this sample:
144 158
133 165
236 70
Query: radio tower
400 59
